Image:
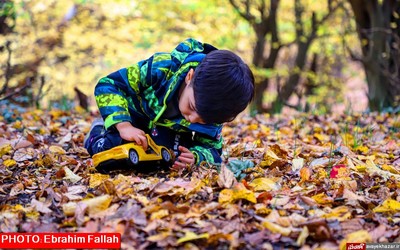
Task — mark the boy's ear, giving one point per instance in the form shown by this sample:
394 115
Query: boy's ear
189 76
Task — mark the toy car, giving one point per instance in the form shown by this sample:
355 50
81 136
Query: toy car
132 153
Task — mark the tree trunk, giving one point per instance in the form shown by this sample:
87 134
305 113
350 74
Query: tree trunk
290 86
380 47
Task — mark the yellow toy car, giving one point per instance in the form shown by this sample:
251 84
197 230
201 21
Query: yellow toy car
133 153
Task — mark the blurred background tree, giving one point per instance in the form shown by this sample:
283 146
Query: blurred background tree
301 51
378 28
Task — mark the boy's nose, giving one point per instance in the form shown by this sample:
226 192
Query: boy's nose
195 118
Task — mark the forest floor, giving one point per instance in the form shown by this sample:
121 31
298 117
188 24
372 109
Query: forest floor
301 181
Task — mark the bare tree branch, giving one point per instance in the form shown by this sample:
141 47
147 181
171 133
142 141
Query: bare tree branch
8 68
17 90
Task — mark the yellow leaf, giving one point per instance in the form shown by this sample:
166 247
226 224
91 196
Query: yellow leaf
321 137
362 149
18 124
238 192
9 163
388 205
275 228
96 179
390 168
69 175
159 214
270 157
265 184
189 236
361 168
361 236
348 139
262 209
341 213
56 113
95 205
57 150
265 130
305 174
372 168
252 127
321 173
322 199
303 236
159 237
5 149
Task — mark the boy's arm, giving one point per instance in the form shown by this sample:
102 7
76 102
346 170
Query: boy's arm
207 149
113 92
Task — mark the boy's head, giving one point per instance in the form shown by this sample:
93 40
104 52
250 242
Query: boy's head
223 86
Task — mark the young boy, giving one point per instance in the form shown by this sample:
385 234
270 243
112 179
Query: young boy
180 98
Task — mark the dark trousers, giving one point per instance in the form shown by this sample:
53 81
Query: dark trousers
101 139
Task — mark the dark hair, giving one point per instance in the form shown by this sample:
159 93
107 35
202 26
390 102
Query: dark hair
223 86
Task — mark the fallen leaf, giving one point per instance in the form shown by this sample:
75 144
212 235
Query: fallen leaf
189 236
97 178
265 184
361 236
238 192
322 199
303 236
57 150
69 175
9 163
339 171
297 164
41 206
305 174
275 228
388 206
226 178
339 213
95 205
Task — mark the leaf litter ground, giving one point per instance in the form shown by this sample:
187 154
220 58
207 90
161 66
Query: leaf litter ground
300 181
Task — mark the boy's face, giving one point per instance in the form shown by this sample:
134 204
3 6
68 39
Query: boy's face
187 105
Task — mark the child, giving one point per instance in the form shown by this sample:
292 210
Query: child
180 98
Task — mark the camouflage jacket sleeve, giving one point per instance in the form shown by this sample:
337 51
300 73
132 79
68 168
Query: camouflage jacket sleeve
116 94
207 149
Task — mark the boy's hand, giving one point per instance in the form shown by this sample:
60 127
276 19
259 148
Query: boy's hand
130 133
186 159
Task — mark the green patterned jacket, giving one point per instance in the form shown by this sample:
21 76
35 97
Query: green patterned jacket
143 91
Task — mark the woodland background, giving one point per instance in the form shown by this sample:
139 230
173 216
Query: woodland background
312 164
307 55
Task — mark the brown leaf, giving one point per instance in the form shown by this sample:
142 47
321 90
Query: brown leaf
41 206
226 179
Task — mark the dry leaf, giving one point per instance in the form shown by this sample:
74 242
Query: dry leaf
265 184
297 164
41 207
189 236
275 228
96 179
226 178
57 150
361 236
69 175
238 192
388 206
94 205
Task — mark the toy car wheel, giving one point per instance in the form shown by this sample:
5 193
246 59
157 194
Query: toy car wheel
133 157
166 156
